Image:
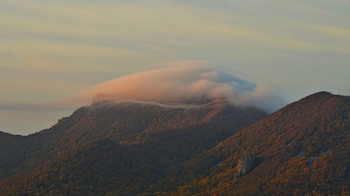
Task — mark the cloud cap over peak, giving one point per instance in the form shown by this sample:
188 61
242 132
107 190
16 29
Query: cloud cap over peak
184 85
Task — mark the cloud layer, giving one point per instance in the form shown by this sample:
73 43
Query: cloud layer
179 84
183 85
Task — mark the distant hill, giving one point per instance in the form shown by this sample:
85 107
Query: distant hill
113 147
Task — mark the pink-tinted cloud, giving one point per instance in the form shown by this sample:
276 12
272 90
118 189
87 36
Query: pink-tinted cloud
182 85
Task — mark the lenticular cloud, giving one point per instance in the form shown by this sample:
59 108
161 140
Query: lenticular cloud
185 85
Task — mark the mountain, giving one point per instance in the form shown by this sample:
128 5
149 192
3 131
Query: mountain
111 147
302 149
207 149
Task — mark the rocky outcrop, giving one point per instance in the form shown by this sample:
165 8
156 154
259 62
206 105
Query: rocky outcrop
246 164
343 174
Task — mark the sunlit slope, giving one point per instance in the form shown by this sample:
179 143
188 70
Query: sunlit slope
303 148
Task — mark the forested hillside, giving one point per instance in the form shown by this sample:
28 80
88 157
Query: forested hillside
302 149
119 147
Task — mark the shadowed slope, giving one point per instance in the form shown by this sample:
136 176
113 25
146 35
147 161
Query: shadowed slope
150 137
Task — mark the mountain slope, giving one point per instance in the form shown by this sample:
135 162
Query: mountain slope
303 148
153 138
88 170
10 152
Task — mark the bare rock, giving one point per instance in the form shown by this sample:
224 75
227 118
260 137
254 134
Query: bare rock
246 164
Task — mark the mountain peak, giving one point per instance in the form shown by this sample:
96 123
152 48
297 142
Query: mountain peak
322 96
322 102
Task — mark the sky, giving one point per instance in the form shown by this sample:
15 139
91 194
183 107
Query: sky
51 50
